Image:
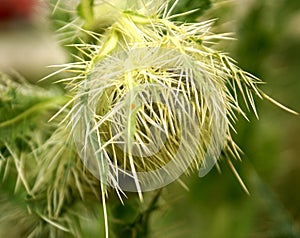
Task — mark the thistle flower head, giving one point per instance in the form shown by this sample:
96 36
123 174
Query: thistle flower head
147 115
155 99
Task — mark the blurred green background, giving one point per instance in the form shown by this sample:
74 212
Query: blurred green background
268 46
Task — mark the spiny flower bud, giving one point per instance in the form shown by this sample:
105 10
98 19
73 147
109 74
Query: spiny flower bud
156 101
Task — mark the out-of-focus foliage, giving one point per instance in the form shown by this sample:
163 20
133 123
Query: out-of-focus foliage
268 45
199 7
